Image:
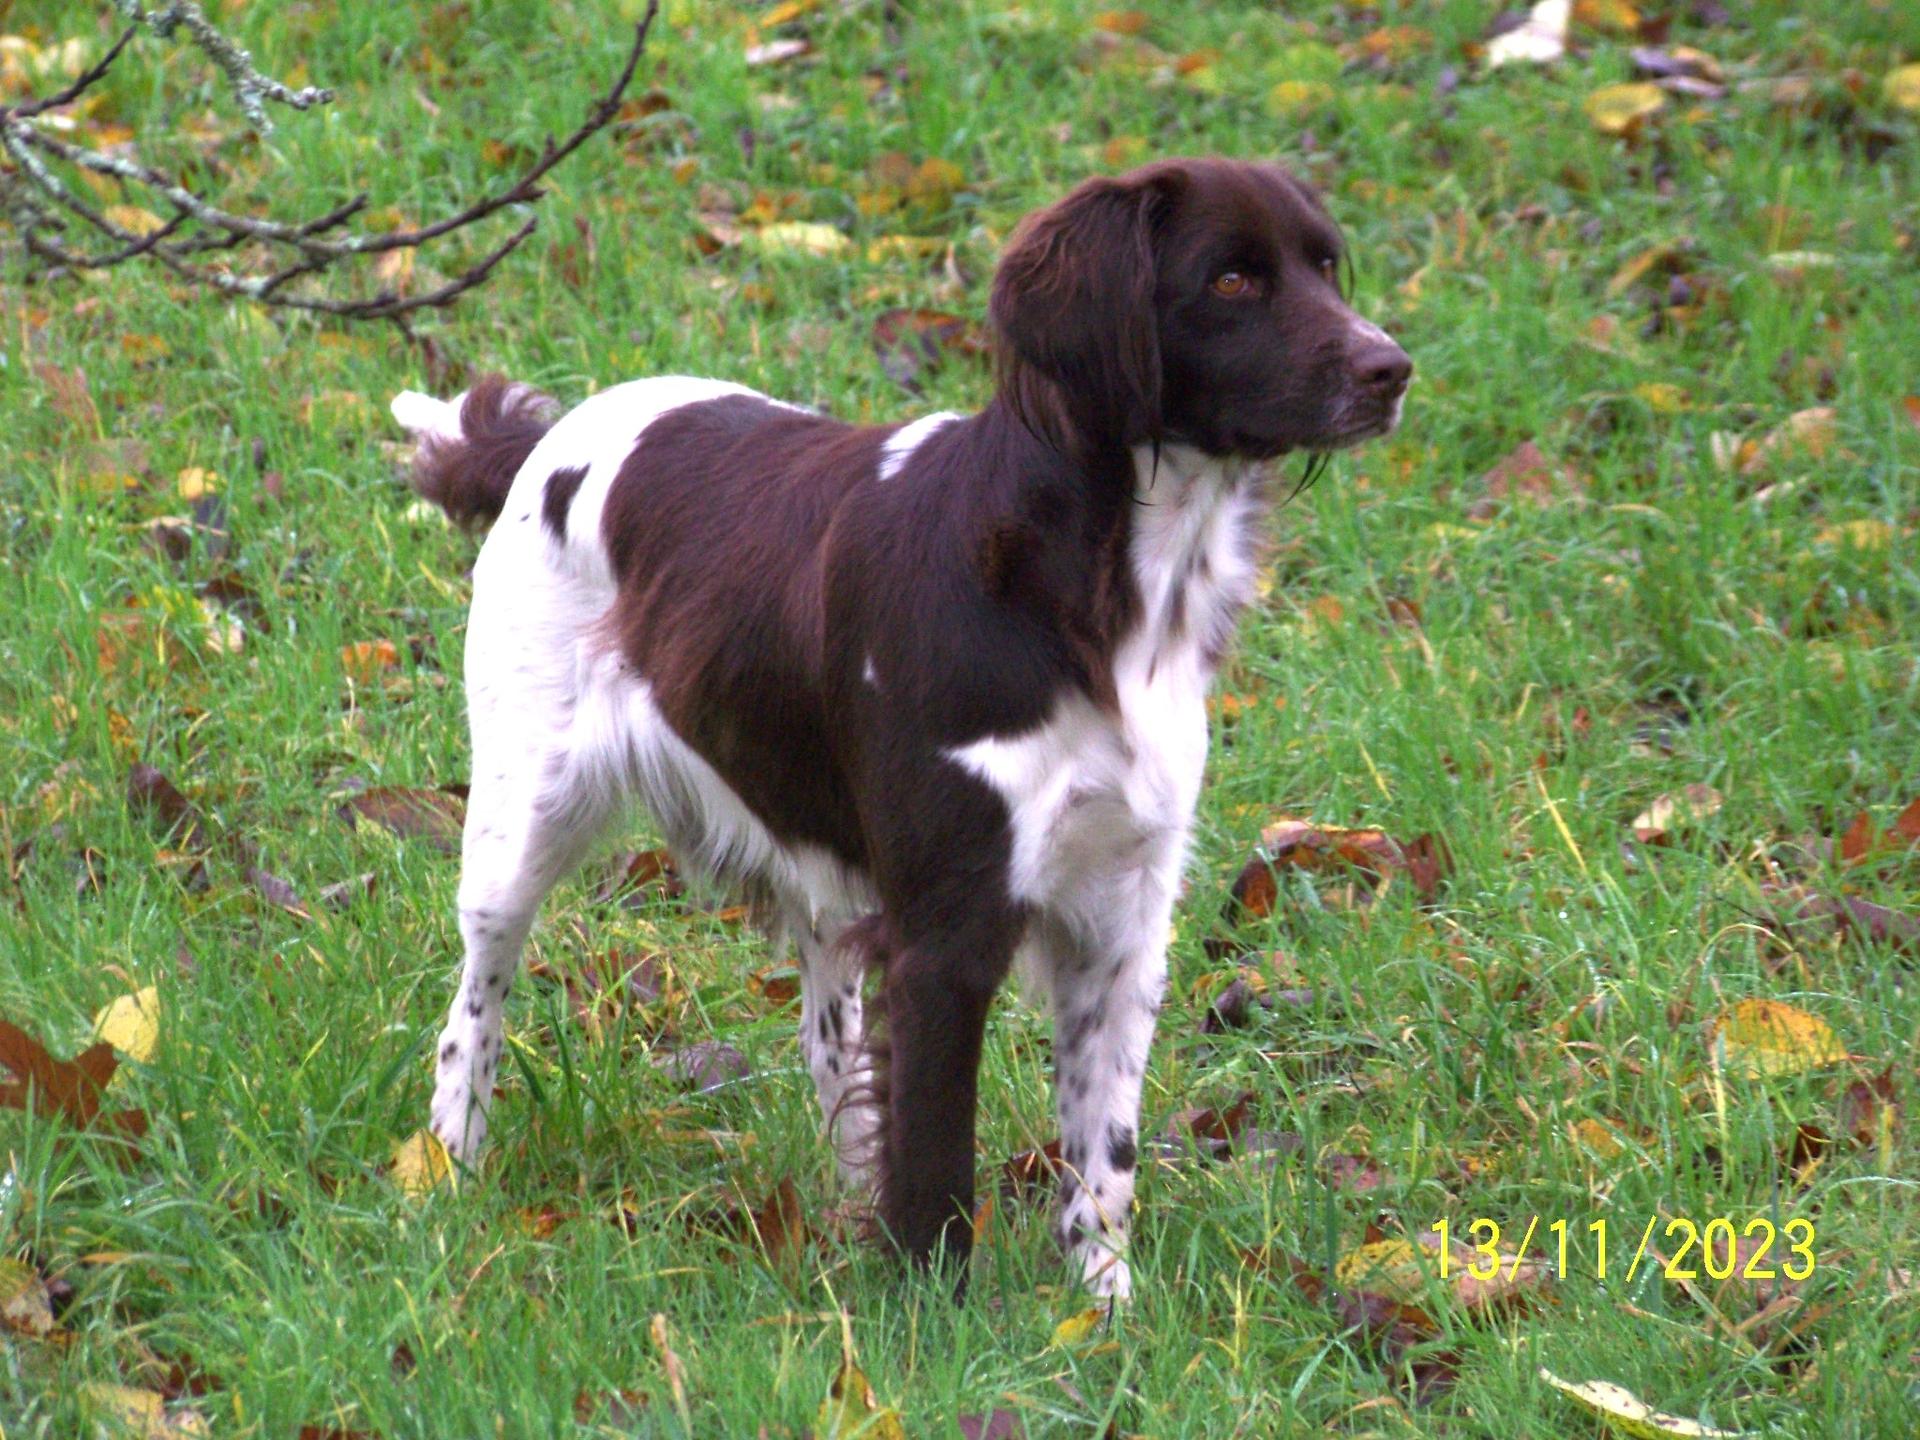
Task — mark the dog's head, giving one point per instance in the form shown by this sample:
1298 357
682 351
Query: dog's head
1195 302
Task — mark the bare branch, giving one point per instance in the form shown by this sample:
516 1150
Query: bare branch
43 207
73 91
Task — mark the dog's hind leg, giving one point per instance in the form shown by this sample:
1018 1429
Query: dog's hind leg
543 790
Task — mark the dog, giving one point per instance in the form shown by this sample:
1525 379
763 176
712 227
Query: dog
930 696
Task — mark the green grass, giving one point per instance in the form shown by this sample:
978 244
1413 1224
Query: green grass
1703 635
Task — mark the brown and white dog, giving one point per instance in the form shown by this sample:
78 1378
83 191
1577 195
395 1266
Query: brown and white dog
931 694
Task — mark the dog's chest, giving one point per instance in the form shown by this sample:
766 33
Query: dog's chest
1098 792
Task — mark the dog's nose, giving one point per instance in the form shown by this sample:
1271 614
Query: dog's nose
1382 365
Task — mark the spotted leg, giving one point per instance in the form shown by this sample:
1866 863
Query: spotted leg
831 1036
1106 996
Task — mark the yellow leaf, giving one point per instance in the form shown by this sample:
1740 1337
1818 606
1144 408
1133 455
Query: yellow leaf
1290 97
1624 1411
1394 1268
852 1410
139 1413
1443 532
131 1024
194 483
25 1306
1121 22
1856 535
1620 109
1902 87
420 1162
808 237
1770 1037
1599 1137
134 220
1078 1329
1615 17
1662 398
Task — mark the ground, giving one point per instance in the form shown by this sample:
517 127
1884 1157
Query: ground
1701 575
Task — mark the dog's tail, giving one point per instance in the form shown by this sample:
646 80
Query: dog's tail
471 447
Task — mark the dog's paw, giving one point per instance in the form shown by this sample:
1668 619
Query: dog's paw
1105 1274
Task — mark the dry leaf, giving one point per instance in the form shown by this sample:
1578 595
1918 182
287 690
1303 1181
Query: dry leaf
1668 813
69 1088
25 1306
807 237
1902 87
420 1163
131 1024
1623 109
1076 1330
1622 1410
851 1411
1762 1037
435 816
1541 37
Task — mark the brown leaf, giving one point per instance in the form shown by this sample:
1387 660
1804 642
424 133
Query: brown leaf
1879 924
780 1223
435 816
635 870
1870 1108
71 1089
912 343
1526 474
1292 843
621 1409
150 792
1212 1130
1032 1172
1911 405
1352 1172
277 892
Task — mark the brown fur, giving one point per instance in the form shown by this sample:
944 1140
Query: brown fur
469 478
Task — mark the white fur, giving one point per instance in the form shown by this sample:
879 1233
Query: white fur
909 438
566 737
1102 806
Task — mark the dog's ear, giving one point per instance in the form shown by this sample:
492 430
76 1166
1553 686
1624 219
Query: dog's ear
1074 318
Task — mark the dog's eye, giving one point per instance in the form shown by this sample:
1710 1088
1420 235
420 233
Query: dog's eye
1232 285
1330 269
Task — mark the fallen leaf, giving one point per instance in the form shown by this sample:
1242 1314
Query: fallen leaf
1761 1037
1540 38
435 816
1077 1329
1121 22
1668 813
420 1163
1299 844
781 1224
150 791
132 1414
131 1024
852 1411
1622 1410
1870 1110
706 1065
1613 17
808 237
1902 87
364 659
1000 1425
1911 403
25 1306
777 52
1623 109
135 221
911 343
1031 1172
71 1089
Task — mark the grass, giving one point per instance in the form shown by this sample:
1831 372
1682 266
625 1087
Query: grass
1664 623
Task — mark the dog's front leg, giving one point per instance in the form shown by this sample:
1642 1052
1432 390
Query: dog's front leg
1107 990
936 994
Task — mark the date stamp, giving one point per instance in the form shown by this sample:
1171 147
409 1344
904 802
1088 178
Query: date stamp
1720 1249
